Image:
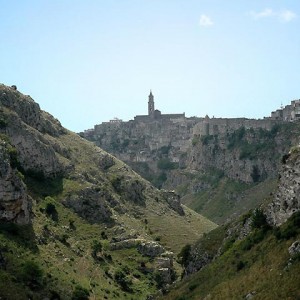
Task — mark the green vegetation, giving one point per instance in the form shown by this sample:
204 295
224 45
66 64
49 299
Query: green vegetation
289 229
72 257
184 255
3 123
206 138
32 273
220 197
264 269
166 164
80 293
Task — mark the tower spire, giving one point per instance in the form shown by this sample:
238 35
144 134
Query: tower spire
151 104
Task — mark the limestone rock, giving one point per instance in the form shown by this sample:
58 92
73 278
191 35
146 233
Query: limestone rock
151 249
287 199
164 262
106 162
31 131
132 234
29 111
15 204
294 249
91 205
134 191
126 244
166 275
173 200
250 295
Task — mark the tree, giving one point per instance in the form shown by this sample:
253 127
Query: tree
80 293
185 255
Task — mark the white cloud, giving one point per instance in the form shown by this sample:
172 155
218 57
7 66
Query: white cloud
268 12
284 16
205 21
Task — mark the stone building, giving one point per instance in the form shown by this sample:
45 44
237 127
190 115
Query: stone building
155 114
289 113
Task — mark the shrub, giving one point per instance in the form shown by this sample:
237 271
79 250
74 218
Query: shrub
185 255
158 279
51 211
71 224
255 175
166 164
192 286
195 140
32 273
96 248
104 235
259 219
80 293
165 149
290 229
240 265
13 157
159 180
10 228
3 123
123 280
206 138
116 182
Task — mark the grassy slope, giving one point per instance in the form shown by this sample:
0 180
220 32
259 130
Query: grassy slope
63 252
227 199
265 270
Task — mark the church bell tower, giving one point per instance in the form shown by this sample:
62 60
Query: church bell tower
151 104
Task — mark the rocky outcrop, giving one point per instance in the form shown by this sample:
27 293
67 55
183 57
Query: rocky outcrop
31 131
134 191
126 244
106 161
151 248
173 200
91 204
287 198
245 155
15 204
294 249
29 111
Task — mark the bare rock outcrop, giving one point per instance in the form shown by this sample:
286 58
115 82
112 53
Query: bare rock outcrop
15 204
91 205
287 199
173 200
151 248
29 111
31 131
294 249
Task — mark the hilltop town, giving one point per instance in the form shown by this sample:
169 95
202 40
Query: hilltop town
133 141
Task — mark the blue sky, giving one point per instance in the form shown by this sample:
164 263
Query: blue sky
89 61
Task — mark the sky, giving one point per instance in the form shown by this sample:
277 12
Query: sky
88 61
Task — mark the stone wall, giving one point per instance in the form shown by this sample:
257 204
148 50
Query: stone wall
215 126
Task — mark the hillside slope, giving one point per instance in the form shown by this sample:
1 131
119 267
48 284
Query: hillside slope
256 256
77 221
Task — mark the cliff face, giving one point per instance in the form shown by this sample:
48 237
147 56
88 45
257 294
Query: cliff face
15 204
32 132
247 155
287 198
220 167
243 149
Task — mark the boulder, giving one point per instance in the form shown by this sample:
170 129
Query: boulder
294 249
173 200
151 249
